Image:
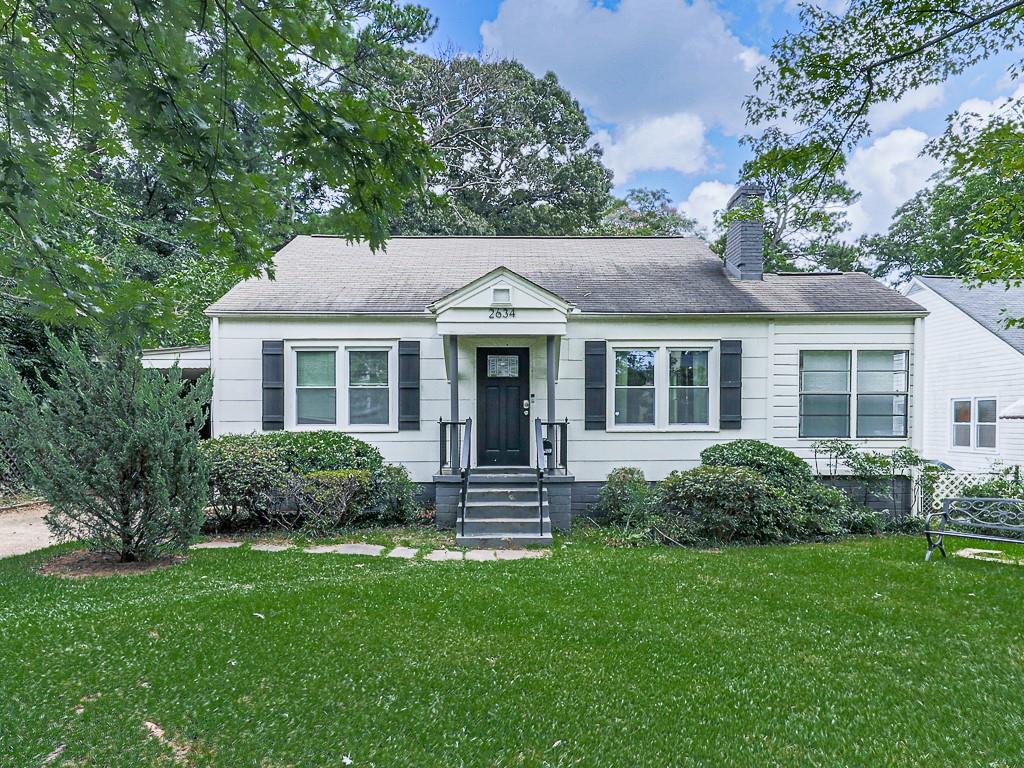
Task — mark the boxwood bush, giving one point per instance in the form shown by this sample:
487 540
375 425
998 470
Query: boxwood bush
723 505
624 496
265 479
778 466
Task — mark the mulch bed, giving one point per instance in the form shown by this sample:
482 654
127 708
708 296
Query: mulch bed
82 564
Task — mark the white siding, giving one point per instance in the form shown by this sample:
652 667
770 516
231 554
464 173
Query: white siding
770 403
792 336
965 360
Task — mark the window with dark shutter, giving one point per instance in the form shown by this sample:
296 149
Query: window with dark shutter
408 385
595 375
273 385
730 411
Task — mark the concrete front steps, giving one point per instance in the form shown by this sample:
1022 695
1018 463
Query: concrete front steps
502 511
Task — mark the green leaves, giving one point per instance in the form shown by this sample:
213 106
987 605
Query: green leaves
231 119
514 152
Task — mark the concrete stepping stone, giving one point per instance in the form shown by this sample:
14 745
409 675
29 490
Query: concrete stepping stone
521 554
217 545
406 553
372 550
439 555
270 547
482 554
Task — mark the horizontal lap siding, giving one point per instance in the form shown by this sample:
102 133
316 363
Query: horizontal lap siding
237 406
963 359
593 454
792 336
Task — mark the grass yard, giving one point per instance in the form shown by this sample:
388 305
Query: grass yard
855 653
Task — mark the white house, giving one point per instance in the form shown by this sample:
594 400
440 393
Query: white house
616 351
973 369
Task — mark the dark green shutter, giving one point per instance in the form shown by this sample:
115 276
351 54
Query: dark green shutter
273 385
730 411
408 385
595 373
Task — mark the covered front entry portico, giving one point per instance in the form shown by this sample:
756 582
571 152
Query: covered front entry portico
503 450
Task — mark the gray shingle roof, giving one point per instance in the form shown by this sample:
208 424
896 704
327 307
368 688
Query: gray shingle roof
989 305
671 275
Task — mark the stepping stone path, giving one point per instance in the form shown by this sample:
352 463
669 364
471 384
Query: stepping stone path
406 553
376 550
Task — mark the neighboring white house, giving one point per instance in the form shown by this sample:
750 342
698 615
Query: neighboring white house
630 351
973 373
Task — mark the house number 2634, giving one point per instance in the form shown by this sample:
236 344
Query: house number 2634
503 313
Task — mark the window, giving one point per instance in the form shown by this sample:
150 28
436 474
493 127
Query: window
825 393
688 389
962 423
985 429
974 419
369 394
882 393
635 386
315 387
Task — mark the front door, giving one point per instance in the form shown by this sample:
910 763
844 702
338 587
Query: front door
503 406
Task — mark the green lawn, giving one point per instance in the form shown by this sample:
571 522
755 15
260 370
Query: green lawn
855 653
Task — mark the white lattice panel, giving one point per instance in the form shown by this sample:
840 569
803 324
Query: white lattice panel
950 484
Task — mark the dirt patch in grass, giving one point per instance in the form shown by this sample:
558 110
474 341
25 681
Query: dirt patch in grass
82 564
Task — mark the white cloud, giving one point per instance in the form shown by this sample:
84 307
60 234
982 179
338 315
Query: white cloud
887 172
629 64
705 200
674 142
972 109
888 114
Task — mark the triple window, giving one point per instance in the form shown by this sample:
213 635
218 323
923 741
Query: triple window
974 423
832 400
662 386
365 392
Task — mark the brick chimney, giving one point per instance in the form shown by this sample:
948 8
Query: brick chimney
744 242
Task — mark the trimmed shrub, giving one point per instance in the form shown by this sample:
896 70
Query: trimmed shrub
781 468
334 499
1008 487
625 495
395 495
723 504
321 450
820 511
113 447
247 480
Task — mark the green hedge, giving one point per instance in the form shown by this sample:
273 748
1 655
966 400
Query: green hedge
265 479
778 466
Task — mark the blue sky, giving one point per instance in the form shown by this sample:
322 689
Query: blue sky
663 81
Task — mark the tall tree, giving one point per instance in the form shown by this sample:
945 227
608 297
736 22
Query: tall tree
645 212
230 105
803 209
826 77
515 151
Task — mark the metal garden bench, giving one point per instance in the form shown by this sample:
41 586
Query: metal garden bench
985 519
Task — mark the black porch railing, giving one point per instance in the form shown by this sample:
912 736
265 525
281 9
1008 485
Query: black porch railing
453 438
555 442
456 449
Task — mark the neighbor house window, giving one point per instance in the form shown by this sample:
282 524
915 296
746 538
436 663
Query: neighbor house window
825 393
635 386
689 394
974 422
316 393
962 410
369 394
882 393
985 429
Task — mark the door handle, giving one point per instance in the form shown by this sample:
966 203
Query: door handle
526 407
